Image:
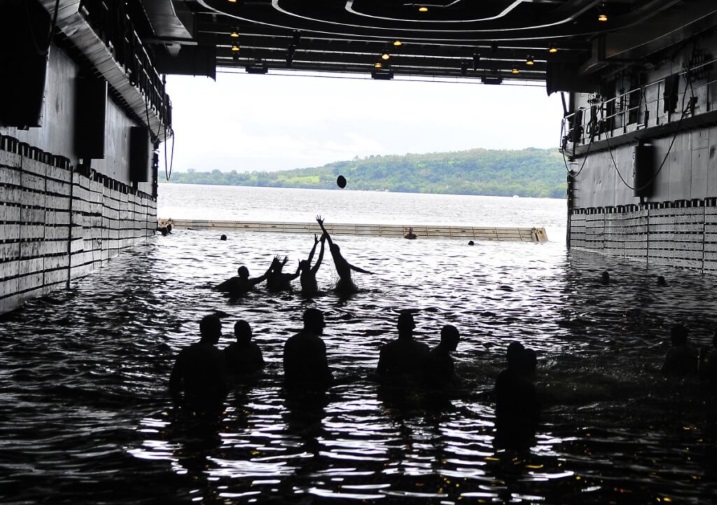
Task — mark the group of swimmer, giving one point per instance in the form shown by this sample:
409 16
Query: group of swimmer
277 280
200 378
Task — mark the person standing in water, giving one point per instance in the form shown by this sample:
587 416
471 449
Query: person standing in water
277 280
241 283
343 267
309 286
198 380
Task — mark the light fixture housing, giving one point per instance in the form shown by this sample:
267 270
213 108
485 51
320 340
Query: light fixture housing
378 64
385 55
258 67
397 43
235 47
382 75
552 49
491 79
423 8
530 60
515 71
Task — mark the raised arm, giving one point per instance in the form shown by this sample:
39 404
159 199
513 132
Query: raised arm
326 234
313 249
359 269
315 268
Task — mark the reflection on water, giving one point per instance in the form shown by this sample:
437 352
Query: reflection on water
88 417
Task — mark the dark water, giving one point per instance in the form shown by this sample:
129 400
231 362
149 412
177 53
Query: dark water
85 416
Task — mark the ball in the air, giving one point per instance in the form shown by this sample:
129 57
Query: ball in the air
341 181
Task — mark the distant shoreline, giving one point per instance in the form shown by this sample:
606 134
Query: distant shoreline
538 173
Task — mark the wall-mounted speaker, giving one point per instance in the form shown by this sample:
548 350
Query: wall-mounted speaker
139 148
24 49
643 169
90 113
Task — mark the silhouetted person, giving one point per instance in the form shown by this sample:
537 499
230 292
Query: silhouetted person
470 242
403 359
243 357
605 278
440 370
661 281
681 359
307 278
242 283
276 279
517 411
343 267
410 235
305 364
708 362
198 380
223 237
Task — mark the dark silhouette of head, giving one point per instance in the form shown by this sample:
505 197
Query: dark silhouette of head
210 328
304 265
314 321
661 281
405 325
514 353
243 272
450 337
678 334
470 242
242 332
223 237
605 279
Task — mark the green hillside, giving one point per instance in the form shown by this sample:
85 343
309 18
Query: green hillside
527 172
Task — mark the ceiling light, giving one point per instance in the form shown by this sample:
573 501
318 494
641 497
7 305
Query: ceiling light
515 71
235 48
423 8
552 49
529 60
378 64
234 34
385 56
397 43
602 14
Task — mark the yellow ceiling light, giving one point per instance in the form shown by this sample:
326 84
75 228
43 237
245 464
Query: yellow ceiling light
385 55
515 70
423 8
235 48
529 60
378 64
397 43
234 34
602 14
552 49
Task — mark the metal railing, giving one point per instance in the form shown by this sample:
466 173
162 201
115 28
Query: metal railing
684 94
111 22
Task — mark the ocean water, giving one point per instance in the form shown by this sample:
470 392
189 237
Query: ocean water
84 371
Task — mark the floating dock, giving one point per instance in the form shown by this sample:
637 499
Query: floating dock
380 230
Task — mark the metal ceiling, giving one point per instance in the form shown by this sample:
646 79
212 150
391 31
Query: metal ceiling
487 40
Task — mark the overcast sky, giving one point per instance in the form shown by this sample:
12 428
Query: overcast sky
267 122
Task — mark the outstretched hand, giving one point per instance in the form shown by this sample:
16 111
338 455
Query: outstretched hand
319 220
316 238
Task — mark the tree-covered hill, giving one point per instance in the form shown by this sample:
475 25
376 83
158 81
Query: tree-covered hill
527 172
